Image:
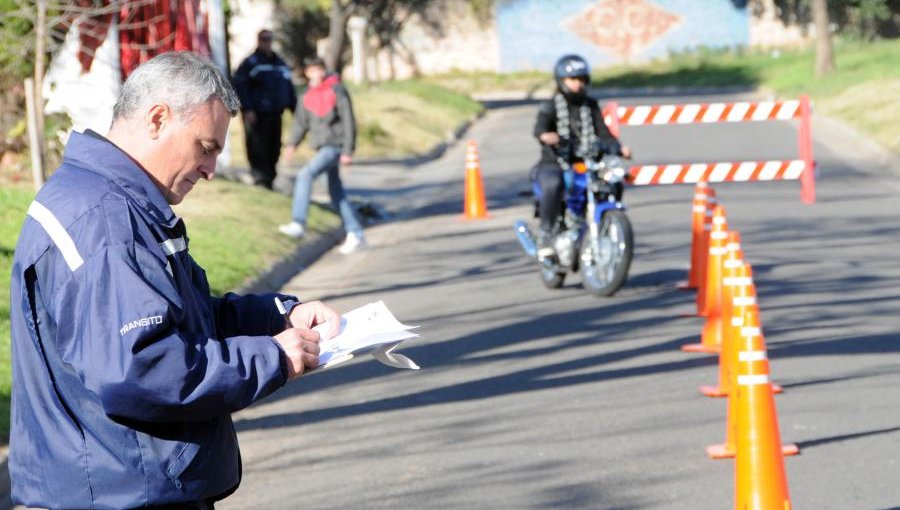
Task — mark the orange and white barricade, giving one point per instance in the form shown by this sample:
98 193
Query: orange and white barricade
802 168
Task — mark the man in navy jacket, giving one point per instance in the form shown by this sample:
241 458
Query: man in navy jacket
264 86
125 369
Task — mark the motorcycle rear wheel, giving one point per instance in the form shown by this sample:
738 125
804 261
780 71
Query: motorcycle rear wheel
551 274
605 264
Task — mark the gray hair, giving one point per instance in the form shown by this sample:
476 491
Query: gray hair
180 79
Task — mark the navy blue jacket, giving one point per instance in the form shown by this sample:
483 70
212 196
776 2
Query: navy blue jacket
263 84
125 370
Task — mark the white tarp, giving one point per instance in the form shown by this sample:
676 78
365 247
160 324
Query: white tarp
87 98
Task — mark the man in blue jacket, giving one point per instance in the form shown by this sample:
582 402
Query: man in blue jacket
264 86
125 370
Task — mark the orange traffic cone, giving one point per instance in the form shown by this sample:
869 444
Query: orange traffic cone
733 285
760 478
475 206
738 294
698 214
744 323
709 299
703 248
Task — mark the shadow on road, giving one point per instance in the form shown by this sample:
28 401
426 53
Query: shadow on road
845 437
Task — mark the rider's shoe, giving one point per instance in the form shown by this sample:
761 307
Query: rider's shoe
545 245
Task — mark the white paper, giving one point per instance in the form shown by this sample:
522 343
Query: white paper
369 328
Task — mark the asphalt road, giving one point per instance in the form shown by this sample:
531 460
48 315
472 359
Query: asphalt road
529 398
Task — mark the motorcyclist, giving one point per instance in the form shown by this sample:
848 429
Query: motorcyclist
569 127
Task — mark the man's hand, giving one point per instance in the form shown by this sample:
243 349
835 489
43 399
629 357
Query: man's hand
249 117
626 151
301 346
313 313
346 159
550 138
288 153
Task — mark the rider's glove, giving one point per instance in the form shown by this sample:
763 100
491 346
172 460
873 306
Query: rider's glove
600 148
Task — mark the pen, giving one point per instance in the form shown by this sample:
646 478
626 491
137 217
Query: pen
283 311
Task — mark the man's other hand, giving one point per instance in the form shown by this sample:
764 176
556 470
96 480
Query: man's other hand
313 313
346 159
288 153
301 346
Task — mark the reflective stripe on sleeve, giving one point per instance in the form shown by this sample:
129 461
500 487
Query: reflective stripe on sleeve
173 246
57 233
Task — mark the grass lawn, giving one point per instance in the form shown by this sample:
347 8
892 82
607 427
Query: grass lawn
13 204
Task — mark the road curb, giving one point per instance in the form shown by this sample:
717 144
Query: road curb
282 270
860 149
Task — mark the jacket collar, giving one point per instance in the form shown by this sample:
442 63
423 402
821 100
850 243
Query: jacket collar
91 151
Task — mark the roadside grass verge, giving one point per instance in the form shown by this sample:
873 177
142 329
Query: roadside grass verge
472 83
404 118
233 231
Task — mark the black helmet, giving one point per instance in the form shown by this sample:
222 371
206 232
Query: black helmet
571 66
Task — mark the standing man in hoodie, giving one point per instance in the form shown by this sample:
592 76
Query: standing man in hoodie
263 84
327 113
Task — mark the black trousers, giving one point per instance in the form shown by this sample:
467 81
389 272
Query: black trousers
549 177
263 146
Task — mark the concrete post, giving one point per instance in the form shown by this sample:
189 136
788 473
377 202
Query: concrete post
356 26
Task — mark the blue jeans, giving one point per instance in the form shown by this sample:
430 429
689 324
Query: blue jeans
327 159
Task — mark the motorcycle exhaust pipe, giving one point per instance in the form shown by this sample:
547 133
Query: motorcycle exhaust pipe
526 239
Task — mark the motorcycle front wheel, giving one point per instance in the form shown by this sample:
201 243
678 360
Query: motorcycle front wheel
605 261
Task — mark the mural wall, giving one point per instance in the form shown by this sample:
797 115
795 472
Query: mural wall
532 34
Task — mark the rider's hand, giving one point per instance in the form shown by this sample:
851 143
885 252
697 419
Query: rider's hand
626 151
549 138
346 159
288 153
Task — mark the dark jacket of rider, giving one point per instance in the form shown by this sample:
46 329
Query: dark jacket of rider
547 123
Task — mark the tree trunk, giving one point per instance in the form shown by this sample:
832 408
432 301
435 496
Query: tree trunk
337 39
34 143
38 93
824 49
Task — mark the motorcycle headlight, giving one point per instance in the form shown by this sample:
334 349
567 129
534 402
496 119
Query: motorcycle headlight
614 174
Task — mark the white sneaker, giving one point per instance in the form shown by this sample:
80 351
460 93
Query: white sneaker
292 229
352 243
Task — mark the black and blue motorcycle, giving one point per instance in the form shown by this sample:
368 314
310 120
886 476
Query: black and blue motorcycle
593 233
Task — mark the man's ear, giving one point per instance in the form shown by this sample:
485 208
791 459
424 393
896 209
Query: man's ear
157 119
